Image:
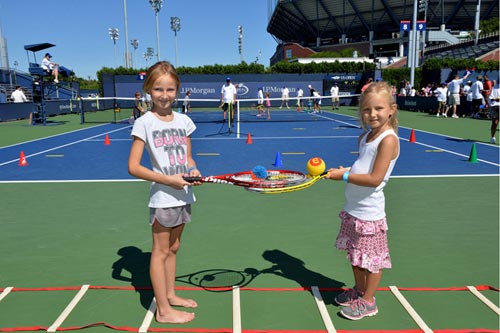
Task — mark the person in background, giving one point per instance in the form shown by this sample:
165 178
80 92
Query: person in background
468 99
268 105
186 105
487 86
228 98
441 94
18 95
334 91
494 106
454 92
477 96
50 67
300 95
285 94
139 105
260 102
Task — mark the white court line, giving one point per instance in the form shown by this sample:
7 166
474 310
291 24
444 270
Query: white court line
236 310
141 180
420 322
68 309
51 136
486 301
5 292
322 310
62 146
148 318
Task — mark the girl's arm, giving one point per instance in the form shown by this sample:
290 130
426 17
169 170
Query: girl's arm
194 172
387 151
136 169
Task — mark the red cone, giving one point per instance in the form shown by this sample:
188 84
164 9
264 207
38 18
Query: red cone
22 159
412 136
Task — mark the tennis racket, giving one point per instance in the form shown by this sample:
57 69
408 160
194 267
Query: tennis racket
305 183
247 179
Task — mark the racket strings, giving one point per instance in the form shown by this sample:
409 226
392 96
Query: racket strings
290 188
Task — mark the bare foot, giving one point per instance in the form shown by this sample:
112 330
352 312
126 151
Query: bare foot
175 317
184 302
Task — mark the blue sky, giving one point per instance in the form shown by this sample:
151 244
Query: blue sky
79 29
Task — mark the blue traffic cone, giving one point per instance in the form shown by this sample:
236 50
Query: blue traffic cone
278 162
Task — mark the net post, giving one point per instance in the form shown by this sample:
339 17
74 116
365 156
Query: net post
238 119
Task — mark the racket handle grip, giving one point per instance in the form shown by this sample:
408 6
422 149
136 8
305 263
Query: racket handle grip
192 179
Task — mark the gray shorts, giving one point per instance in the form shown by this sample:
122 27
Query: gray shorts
454 99
170 217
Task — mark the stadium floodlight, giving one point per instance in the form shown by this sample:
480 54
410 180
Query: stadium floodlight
257 57
157 4
150 52
422 6
135 45
114 33
240 41
175 26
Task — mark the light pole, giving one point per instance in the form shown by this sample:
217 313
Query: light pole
156 4
135 45
113 34
240 41
257 57
175 26
127 53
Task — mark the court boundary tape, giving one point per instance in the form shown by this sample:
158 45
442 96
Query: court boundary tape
237 327
327 321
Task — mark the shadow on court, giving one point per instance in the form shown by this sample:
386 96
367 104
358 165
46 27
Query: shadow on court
136 262
295 269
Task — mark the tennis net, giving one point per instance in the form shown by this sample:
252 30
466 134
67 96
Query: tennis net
120 109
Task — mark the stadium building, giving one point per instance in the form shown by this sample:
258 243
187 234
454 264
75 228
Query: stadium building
380 28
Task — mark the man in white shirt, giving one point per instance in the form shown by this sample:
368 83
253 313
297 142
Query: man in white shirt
51 67
454 90
228 98
334 91
477 96
18 95
300 95
285 94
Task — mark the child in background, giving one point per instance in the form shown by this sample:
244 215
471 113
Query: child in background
268 105
186 105
139 105
166 135
363 231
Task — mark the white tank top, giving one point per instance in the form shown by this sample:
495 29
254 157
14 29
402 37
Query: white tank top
368 203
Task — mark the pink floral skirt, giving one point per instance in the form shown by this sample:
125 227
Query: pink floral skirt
365 242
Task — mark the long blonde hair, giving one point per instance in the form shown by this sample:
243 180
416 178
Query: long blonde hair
382 88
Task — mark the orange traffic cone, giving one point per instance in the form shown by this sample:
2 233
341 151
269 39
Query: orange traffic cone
107 141
22 159
412 136
249 139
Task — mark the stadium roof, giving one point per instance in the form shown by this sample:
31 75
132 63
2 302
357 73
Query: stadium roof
306 21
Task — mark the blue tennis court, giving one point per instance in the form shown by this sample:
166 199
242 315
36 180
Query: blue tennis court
288 137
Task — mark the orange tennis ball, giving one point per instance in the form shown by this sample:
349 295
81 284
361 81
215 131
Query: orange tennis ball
316 166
